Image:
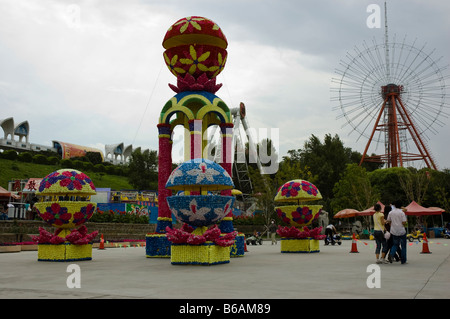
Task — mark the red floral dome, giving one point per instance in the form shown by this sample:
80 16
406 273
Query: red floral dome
196 46
194 30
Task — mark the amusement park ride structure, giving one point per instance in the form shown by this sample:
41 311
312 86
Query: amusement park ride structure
401 91
240 163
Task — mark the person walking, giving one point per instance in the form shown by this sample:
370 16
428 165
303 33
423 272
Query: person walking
389 242
273 231
378 233
397 220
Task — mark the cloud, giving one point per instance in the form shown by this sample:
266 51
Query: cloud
92 72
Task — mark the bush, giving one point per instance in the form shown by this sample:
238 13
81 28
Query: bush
25 157
53 160
99 168
66 163
40 159
10 154
87 166
77 164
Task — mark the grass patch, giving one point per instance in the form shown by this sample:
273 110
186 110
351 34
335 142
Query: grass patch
12 170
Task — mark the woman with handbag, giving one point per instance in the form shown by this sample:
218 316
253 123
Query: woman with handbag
379 230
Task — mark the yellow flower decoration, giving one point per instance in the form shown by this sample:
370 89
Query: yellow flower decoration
189 21
195 62
171 64
221 65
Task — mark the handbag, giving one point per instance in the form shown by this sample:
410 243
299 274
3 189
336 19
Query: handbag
387 234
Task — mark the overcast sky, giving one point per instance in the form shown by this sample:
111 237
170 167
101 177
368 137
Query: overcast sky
92 72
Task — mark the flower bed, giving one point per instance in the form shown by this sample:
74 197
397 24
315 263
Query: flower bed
301 245
116 216
294 240
64 245
64 252
200 246
207 253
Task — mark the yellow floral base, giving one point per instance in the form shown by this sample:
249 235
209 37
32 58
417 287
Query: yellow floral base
64 252
205 254
304 245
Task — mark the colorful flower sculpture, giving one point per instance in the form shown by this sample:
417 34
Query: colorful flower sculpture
298 238
64 204
200 176
196 205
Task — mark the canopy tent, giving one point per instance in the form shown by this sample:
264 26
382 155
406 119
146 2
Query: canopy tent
346 213
415 209
6 194
371 210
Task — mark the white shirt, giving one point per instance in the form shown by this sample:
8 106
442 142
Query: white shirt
397 217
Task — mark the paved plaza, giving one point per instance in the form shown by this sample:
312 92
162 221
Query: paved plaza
263 273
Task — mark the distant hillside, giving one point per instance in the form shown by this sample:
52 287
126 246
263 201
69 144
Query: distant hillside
11 170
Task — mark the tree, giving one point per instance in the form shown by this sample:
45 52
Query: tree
415 184
142 168
267 185
388 183
326 161
354 190
94 157
438 190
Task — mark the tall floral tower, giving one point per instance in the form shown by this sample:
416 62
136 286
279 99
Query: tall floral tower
195 53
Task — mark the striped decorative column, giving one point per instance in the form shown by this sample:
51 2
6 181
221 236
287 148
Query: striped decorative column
195 128
164 170
157 244
226 129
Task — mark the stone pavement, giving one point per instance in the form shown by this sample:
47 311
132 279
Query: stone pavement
263 273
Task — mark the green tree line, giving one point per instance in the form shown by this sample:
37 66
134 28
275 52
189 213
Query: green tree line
343 183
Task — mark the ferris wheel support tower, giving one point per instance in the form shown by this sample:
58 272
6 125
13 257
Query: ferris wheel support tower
398 119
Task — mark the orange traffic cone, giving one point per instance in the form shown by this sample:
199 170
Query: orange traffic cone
102 243
354 248
425 249
245 246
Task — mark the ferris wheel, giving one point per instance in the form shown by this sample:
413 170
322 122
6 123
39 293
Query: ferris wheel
392 93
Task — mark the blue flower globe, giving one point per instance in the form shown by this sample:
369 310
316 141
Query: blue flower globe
198 183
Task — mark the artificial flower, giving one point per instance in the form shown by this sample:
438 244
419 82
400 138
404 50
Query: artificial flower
203 172
194 61
189 23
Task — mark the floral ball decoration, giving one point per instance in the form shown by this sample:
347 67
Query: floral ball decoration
197 181
294 192
199 210
65 214
195 47
64 198
297 190
66 181
199 174
299 216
